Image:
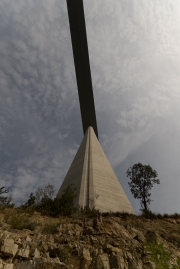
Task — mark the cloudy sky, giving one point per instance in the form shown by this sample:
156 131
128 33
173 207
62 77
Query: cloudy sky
134 48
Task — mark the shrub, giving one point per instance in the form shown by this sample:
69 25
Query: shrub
20 222
50 228
160 257
149 214
5 200
31 201
44 193
175 216
58 206
65 203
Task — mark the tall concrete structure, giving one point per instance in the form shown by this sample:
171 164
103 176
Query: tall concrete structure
94 179
90 172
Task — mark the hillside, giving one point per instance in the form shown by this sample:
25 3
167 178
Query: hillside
31 240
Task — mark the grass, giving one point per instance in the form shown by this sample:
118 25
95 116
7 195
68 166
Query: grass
21 221
117 214
50 228
160 257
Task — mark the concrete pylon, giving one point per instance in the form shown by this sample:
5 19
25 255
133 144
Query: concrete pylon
94 179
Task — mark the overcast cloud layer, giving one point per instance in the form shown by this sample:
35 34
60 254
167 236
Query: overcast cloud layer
134 49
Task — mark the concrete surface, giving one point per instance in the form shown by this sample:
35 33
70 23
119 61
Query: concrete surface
94 179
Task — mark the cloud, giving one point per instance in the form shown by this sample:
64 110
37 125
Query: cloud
134 57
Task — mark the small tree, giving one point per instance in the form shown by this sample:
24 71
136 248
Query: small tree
66 201
41 195
142 179
5 200
31 201
3 190
44 193
43 201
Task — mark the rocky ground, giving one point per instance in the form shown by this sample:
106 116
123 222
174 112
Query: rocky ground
30 240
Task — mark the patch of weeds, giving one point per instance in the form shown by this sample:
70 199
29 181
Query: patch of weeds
159 216
177 265
175 216
121 214
32 225
21 221
149 215
2 208
50 228
30 211
86 212
139 225
160 257
118 214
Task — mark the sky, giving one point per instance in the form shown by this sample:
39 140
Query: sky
134 50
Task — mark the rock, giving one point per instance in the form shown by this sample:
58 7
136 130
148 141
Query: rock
94 240
88 244
8 266
4 235
102 262
8 247
40 237
97 223
50 239
116 261
25 265
132 264
89 230
115 244
109 249
151 236
86 259
42 263
149 265
137 235
139 238
23 252
171 220
46 255
43 247
35 253
19 241
27 238
70 229
95 252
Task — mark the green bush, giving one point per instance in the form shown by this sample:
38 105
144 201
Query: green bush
50 228
149 214
30 202
44 193
160 257
63 206
21 221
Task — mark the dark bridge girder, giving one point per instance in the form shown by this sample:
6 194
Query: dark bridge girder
82 65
